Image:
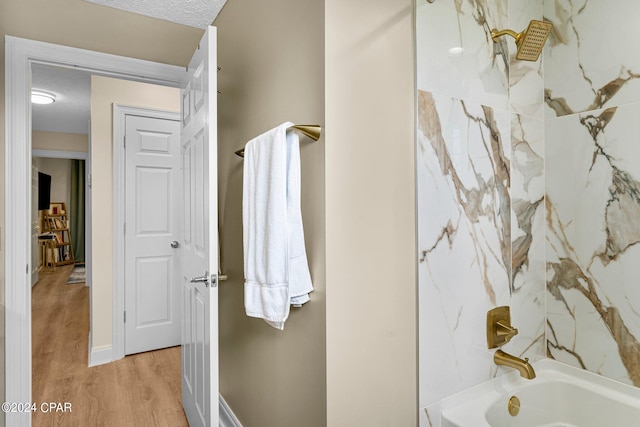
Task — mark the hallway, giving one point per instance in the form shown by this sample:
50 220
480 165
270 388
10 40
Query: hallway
139 390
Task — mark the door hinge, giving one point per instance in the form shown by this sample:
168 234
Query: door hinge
125 317
27 268
124 141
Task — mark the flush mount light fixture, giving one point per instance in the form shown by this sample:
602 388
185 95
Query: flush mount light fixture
40 97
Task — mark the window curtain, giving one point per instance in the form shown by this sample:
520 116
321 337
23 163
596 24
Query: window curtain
77 209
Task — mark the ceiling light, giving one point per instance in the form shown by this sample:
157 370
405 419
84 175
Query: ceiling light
39 97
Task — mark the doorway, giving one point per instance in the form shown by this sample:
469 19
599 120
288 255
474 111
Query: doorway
61 212
154 140
21 55
60 314
60 147
199 149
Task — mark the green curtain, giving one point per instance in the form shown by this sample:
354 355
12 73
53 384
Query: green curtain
76 209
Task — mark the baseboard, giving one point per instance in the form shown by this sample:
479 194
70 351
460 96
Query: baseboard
227 417
100 355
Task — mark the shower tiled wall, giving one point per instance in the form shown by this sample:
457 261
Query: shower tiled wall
592 113
481 207
528 189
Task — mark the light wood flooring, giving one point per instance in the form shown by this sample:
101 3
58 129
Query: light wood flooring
139 390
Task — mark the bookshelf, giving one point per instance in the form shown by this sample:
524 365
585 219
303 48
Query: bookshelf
56 224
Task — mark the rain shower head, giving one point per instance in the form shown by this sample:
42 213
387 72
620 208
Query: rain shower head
530 41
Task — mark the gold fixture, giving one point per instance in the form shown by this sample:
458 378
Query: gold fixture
514 406
529 42
523 366
312 131
499 329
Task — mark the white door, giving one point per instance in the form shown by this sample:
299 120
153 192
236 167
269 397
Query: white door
35 227
200 239
152 231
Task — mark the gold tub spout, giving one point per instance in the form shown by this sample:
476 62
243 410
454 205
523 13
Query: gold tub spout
523 366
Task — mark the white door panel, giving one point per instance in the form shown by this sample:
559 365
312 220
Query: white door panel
152 204
154 295
200 238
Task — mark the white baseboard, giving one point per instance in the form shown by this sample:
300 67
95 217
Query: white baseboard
100 355
227 417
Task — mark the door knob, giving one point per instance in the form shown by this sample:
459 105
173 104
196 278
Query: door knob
175 244
202 279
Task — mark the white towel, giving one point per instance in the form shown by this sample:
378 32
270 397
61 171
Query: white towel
275 261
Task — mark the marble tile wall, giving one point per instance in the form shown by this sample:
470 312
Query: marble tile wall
592 105
481 204
528 189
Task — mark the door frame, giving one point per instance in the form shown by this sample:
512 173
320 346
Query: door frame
20 54
120 112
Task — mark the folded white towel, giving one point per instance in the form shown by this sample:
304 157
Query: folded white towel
275 261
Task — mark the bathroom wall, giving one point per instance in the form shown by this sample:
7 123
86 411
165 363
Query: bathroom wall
480 166
371 214
272 71
592 105
349 356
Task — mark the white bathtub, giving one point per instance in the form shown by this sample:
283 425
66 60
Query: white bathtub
559 396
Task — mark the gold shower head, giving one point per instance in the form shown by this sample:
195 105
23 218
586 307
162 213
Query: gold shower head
530 41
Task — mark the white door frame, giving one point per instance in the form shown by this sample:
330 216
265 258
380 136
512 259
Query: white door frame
120 112
20 54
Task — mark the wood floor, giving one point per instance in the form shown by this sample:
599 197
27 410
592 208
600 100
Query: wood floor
139 390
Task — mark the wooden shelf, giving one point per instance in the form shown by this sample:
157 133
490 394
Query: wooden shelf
58 224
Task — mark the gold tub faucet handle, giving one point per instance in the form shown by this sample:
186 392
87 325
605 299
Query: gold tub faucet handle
499 329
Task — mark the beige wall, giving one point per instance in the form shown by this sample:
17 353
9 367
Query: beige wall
60 171
371 214
271 54
85 25
104 93
59 141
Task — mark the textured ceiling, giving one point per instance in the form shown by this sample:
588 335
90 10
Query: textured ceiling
194 13
72 109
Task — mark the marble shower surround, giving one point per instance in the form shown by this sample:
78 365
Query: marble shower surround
482 167
593 233
481 194
589 60
573 188
592 95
